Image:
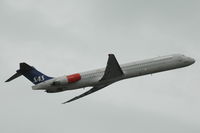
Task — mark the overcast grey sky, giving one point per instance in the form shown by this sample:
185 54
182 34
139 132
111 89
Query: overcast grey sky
64 37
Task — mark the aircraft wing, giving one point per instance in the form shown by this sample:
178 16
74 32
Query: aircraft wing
113 70
94 89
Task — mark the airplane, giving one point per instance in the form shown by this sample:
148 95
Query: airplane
100 78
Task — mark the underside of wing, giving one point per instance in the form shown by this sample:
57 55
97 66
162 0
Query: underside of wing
94 89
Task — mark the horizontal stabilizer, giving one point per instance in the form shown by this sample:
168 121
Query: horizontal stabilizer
16 75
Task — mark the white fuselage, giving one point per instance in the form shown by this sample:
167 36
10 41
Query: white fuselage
134 69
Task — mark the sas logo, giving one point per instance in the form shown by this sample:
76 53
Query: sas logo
39 78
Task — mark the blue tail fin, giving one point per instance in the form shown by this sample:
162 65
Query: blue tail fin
30 73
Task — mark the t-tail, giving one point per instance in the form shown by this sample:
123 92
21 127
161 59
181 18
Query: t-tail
30 73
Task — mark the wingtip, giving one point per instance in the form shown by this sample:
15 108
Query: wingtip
8 80
65 102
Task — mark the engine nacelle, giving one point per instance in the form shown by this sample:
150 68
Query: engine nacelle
73 78
66 80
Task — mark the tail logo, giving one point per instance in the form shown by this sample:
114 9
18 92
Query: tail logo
39 78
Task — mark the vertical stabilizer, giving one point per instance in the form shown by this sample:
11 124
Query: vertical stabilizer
30 73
